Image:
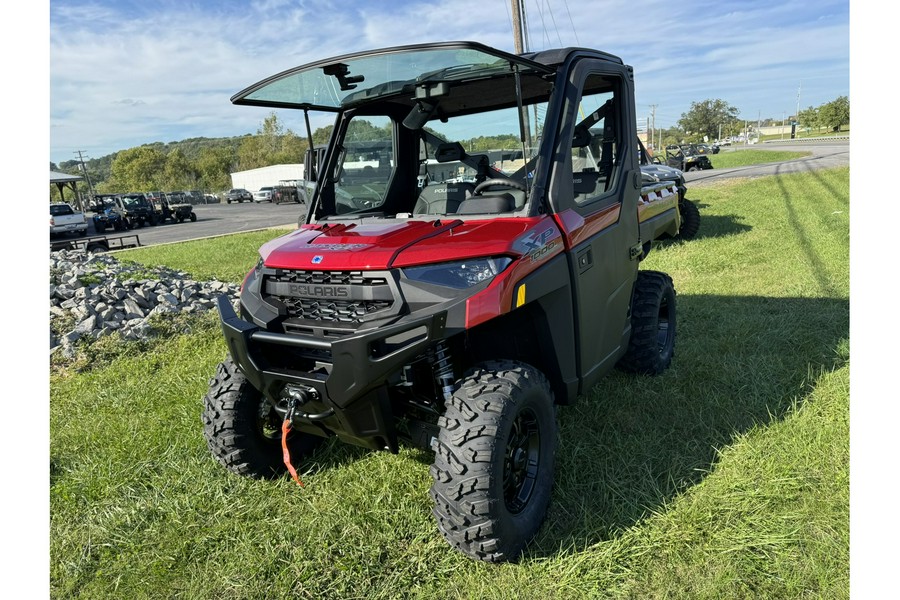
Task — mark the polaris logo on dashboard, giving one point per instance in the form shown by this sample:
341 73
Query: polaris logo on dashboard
322 291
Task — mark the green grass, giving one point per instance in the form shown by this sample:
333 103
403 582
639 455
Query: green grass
817 132
226 258
725 477
726 159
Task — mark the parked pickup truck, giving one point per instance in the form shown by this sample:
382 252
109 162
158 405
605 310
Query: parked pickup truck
263 194
64 219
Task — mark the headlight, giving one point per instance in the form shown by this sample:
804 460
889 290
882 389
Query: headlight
459 275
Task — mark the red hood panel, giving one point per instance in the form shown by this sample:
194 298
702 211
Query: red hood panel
394 243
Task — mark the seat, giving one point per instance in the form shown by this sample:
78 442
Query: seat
442 198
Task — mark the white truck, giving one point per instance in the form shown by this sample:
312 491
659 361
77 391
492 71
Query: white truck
64 219
263 194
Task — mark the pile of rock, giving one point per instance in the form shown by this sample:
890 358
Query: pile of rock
102 296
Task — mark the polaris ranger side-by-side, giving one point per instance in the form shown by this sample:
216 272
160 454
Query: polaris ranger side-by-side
436 298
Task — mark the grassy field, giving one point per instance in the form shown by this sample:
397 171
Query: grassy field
726 477
744 157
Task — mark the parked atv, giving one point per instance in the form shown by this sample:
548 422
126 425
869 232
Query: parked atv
450 309
653 172
686 157
178 208
107 214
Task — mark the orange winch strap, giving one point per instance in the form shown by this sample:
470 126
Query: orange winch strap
285 429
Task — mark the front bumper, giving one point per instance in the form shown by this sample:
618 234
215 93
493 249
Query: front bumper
349 375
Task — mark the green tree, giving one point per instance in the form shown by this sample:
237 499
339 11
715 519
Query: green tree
179 173
322 136
214 166
836 113
808 117
272 145
137 169
705 118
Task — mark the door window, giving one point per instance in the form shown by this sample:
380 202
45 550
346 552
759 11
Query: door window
595 142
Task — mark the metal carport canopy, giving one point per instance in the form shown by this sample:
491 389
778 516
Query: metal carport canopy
65 180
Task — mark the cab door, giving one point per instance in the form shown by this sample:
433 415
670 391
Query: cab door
594 193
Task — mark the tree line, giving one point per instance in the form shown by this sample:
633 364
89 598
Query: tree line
831 115
197 163
713 119
206 163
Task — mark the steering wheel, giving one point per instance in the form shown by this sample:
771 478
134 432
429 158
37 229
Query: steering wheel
510 183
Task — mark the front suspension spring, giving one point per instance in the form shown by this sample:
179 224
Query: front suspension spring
443 369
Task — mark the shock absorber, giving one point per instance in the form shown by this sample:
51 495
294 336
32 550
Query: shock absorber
443 369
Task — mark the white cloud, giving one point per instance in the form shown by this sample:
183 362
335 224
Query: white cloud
126 74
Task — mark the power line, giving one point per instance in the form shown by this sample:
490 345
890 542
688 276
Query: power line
566 3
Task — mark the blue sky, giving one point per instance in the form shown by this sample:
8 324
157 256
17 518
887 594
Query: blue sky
125 73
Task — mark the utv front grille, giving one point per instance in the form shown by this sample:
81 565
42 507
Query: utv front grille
346 298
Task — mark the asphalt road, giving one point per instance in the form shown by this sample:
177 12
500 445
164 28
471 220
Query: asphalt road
221 219
825 155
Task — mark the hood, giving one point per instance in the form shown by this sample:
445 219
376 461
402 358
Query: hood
662 172
395 243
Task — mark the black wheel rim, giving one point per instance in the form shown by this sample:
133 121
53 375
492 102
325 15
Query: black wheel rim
521 461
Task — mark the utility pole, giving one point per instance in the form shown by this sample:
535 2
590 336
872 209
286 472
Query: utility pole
86 176
518 18
518 25
653 116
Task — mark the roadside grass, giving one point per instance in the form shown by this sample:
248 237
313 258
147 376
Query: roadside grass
727 159
226 258
818 132
725 477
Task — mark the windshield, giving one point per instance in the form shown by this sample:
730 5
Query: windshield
363 77
451 157
134 201
58 210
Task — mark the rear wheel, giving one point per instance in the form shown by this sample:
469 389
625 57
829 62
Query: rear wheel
193 217
242 429
652 343
493 468
690 219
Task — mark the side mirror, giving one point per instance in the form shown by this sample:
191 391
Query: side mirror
312 161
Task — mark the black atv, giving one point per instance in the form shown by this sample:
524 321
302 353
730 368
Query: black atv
686 157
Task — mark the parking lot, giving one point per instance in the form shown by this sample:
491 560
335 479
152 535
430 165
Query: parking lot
216 219
220 219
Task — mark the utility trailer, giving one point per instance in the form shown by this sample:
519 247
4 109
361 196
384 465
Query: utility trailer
97 243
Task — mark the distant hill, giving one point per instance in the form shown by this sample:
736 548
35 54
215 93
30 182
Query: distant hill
99 168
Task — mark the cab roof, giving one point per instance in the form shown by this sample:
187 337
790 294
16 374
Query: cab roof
403 71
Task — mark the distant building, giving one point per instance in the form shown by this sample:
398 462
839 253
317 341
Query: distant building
266 176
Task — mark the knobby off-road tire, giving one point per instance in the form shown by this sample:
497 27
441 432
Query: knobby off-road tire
690 219
652 343
242 429
493 468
